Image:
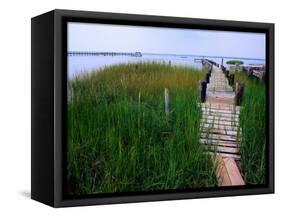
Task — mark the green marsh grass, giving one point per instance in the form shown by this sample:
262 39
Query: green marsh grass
119 138
253 123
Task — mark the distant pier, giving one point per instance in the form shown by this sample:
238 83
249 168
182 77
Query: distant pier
90 53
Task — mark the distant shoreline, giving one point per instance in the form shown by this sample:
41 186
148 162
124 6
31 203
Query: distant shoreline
96 53
77 64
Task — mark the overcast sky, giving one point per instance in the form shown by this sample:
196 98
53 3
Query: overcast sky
121 38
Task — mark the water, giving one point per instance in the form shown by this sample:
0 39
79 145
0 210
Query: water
81 64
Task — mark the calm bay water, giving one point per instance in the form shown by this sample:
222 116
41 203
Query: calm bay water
81 64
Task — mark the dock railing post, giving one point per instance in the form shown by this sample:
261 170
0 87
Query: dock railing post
208 74
231 79
167 101
239 90
202 89
210 70
227 74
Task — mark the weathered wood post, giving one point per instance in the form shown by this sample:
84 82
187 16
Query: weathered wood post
202 89
208 74
250 71
239 90
227 74
203 62
231 79
263 77
170 62
210 71
222 63
223 69
167 101
139 98
136 67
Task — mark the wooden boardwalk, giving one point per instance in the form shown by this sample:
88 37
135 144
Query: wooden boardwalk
220 132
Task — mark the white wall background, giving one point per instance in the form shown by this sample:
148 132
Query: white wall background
15 106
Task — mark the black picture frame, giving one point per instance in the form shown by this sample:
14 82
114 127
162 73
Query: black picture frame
48 93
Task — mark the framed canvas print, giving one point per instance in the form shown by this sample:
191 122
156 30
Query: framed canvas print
133 108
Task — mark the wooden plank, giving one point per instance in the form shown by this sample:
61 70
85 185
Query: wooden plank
223 114
218 137
227 172
219 149
213 112
235 156
219 131
221 100
221 109
218 122
223 178
219 142
217 111
220 127
233 172
217 118
223 118
220 106
220 87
